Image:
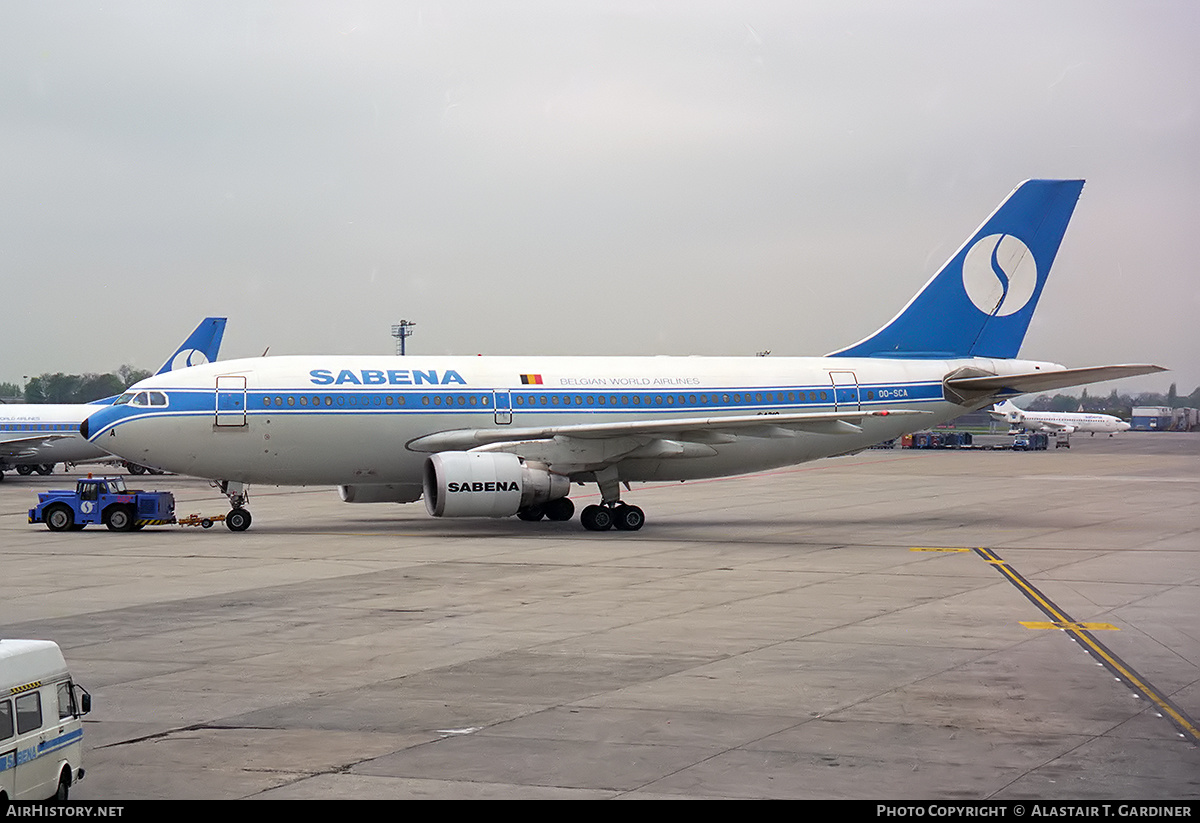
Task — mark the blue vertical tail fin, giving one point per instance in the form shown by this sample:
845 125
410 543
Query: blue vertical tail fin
201 346
980 302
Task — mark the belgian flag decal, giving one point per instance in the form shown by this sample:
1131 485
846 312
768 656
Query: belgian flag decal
531 380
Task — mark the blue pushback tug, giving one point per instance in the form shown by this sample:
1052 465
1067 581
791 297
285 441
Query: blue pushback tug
103 500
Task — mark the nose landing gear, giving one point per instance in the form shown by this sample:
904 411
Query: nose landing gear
238 519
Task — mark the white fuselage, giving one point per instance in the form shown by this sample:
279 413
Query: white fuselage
32 421
343 420
1070 422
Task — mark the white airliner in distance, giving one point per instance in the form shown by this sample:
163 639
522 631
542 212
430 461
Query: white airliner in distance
498 436
35 436
1057 422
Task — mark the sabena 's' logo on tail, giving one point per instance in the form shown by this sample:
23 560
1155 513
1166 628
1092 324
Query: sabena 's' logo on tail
187 357
999 275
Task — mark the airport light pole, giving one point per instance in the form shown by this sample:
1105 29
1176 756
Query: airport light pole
402 331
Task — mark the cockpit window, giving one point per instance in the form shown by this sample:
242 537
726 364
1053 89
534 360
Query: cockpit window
157 398
123 399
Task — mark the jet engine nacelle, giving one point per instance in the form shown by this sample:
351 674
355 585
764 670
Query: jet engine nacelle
487 484
380 493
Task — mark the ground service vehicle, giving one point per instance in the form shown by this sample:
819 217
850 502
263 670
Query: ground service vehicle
41 734
103 500
1035 441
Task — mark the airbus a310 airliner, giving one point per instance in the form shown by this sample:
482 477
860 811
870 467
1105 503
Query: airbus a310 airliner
498 436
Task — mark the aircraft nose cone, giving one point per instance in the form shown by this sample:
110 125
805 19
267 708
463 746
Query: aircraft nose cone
83 429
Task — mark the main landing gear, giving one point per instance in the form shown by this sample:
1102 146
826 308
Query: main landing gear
238 519
621 516
611 513
560 509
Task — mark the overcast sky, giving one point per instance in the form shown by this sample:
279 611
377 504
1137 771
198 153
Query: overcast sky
583 177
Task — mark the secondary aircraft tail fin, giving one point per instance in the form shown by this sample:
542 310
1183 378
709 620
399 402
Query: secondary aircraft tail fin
1007 412
980 302
201 346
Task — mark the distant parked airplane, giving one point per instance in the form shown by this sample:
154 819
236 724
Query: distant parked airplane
1057 422
35 436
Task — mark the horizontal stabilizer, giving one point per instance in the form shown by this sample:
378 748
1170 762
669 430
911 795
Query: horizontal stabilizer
1003 385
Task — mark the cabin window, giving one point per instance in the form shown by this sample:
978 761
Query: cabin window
6 720
29 712
66 701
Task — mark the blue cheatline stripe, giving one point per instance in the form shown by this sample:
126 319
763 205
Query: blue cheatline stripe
526 400
39 427
32 753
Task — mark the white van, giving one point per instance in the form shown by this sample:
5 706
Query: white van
41 735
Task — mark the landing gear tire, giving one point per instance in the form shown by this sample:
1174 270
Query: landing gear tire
531 514
628 518
120 519
45 468
596 518
59 518
238 520
560 510
136 468
24 469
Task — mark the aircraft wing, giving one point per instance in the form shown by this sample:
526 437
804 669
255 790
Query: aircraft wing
588 446
1013 384
28 446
